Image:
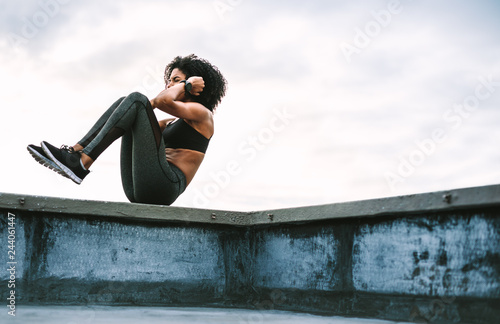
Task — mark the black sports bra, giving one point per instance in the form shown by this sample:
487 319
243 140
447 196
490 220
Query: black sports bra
180 134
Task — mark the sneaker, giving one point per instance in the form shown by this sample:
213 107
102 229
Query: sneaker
68 160
39 155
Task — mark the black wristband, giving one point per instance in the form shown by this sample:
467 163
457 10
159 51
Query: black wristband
187 85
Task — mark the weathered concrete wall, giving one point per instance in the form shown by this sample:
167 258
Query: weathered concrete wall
436 255
290 259
73 260
442 267
415 258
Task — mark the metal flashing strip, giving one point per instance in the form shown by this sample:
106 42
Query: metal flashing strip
485 196
121 210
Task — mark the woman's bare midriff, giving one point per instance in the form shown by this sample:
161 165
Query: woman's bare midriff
188 161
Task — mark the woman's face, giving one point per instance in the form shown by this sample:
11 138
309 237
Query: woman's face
175 77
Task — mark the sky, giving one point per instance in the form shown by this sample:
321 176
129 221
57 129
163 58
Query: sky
327 101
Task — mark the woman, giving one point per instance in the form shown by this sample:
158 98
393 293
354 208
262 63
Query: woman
158 159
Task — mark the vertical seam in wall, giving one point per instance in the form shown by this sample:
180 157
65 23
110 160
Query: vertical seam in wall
346 247
237 247
35 232
251 234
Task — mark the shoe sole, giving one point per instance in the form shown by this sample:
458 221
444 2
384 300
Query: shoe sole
45 161
64 170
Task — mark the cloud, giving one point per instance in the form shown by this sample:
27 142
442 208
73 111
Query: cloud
353 121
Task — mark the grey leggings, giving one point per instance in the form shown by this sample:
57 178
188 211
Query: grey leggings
147 176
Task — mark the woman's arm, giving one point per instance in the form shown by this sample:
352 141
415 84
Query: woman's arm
170 101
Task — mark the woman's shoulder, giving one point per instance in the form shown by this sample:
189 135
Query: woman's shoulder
205 126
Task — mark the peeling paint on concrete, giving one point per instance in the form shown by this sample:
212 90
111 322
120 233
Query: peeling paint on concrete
19 246
98 250
283 261
434 256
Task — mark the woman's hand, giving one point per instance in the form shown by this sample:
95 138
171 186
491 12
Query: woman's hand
172 101
198 85
163 123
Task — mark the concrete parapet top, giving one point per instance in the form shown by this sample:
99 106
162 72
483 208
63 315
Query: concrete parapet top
485 196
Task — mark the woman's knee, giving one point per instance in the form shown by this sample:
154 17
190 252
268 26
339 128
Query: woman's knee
138 97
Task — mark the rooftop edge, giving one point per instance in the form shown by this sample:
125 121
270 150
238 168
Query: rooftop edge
484 196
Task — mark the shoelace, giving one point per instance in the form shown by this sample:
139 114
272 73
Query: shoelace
68 148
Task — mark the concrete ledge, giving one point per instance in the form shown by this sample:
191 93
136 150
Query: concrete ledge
448 200
401 205
120 210
431 257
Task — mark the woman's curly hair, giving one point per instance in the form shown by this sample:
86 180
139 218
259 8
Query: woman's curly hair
215 83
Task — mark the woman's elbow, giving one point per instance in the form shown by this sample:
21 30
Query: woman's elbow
165 104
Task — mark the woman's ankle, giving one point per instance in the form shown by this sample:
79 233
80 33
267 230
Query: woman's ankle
77 147
86 161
